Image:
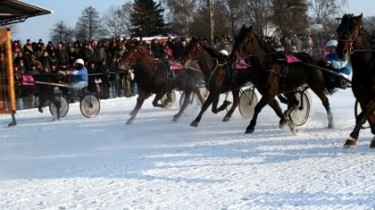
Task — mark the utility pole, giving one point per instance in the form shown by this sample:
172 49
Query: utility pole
211 19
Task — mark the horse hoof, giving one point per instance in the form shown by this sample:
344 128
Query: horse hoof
350 143
294 130
194 124
226 103
330 125
175 119
12 124
372 144
226 119
129 122
249 130
282 124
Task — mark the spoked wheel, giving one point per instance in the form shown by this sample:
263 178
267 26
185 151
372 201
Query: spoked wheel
300 115
90 106
357 110
64 106
193 105
248 101
168 102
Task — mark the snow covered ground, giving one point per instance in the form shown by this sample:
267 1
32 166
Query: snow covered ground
101 163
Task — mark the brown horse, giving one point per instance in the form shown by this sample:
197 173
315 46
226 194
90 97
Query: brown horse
155 76
355 43
219 76
272 76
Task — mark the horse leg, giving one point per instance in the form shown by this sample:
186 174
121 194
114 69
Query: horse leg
14 122
157 98
141 98
236 100
258 108
207 103
276 107
360 119
57 104
215 102
371 120
183 107
292 104
325 101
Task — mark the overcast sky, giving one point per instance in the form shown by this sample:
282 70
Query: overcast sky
69 11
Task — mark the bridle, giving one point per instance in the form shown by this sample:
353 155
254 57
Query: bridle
347 35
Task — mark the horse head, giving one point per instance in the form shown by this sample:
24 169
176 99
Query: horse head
134 54
348 32
243 43
192 52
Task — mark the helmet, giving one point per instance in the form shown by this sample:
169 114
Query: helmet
331 43
224 52
80 61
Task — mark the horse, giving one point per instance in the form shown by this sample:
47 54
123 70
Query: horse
220 76
156 76
272 75
26 85
356 44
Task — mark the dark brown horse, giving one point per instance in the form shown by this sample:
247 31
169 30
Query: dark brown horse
220 76
25 88
272 76
155 76
355 44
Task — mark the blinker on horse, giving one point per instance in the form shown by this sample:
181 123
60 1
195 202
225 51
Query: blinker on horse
355 43
272 77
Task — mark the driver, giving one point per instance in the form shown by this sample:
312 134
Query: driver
80 74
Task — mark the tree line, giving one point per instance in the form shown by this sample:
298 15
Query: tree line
143 18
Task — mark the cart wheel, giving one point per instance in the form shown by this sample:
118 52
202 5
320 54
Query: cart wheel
168 103
300 115
193 105
248 101
90 106
357 110
64 106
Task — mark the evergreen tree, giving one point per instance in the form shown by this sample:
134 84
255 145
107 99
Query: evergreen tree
147 18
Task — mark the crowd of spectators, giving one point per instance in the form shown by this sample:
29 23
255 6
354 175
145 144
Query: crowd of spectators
102 56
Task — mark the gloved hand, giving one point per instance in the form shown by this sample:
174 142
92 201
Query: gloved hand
61 72
328 63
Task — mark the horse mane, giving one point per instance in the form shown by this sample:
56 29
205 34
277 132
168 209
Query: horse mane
215 53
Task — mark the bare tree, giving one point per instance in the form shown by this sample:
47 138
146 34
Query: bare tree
61 33
234 12
258 13
111 19
369 24
326 9
89 26
181 14
116 19
290 16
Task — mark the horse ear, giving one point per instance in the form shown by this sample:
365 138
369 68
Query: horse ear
360 16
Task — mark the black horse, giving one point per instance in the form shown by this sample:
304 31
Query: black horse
220 76
272 76
356 44
27 87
